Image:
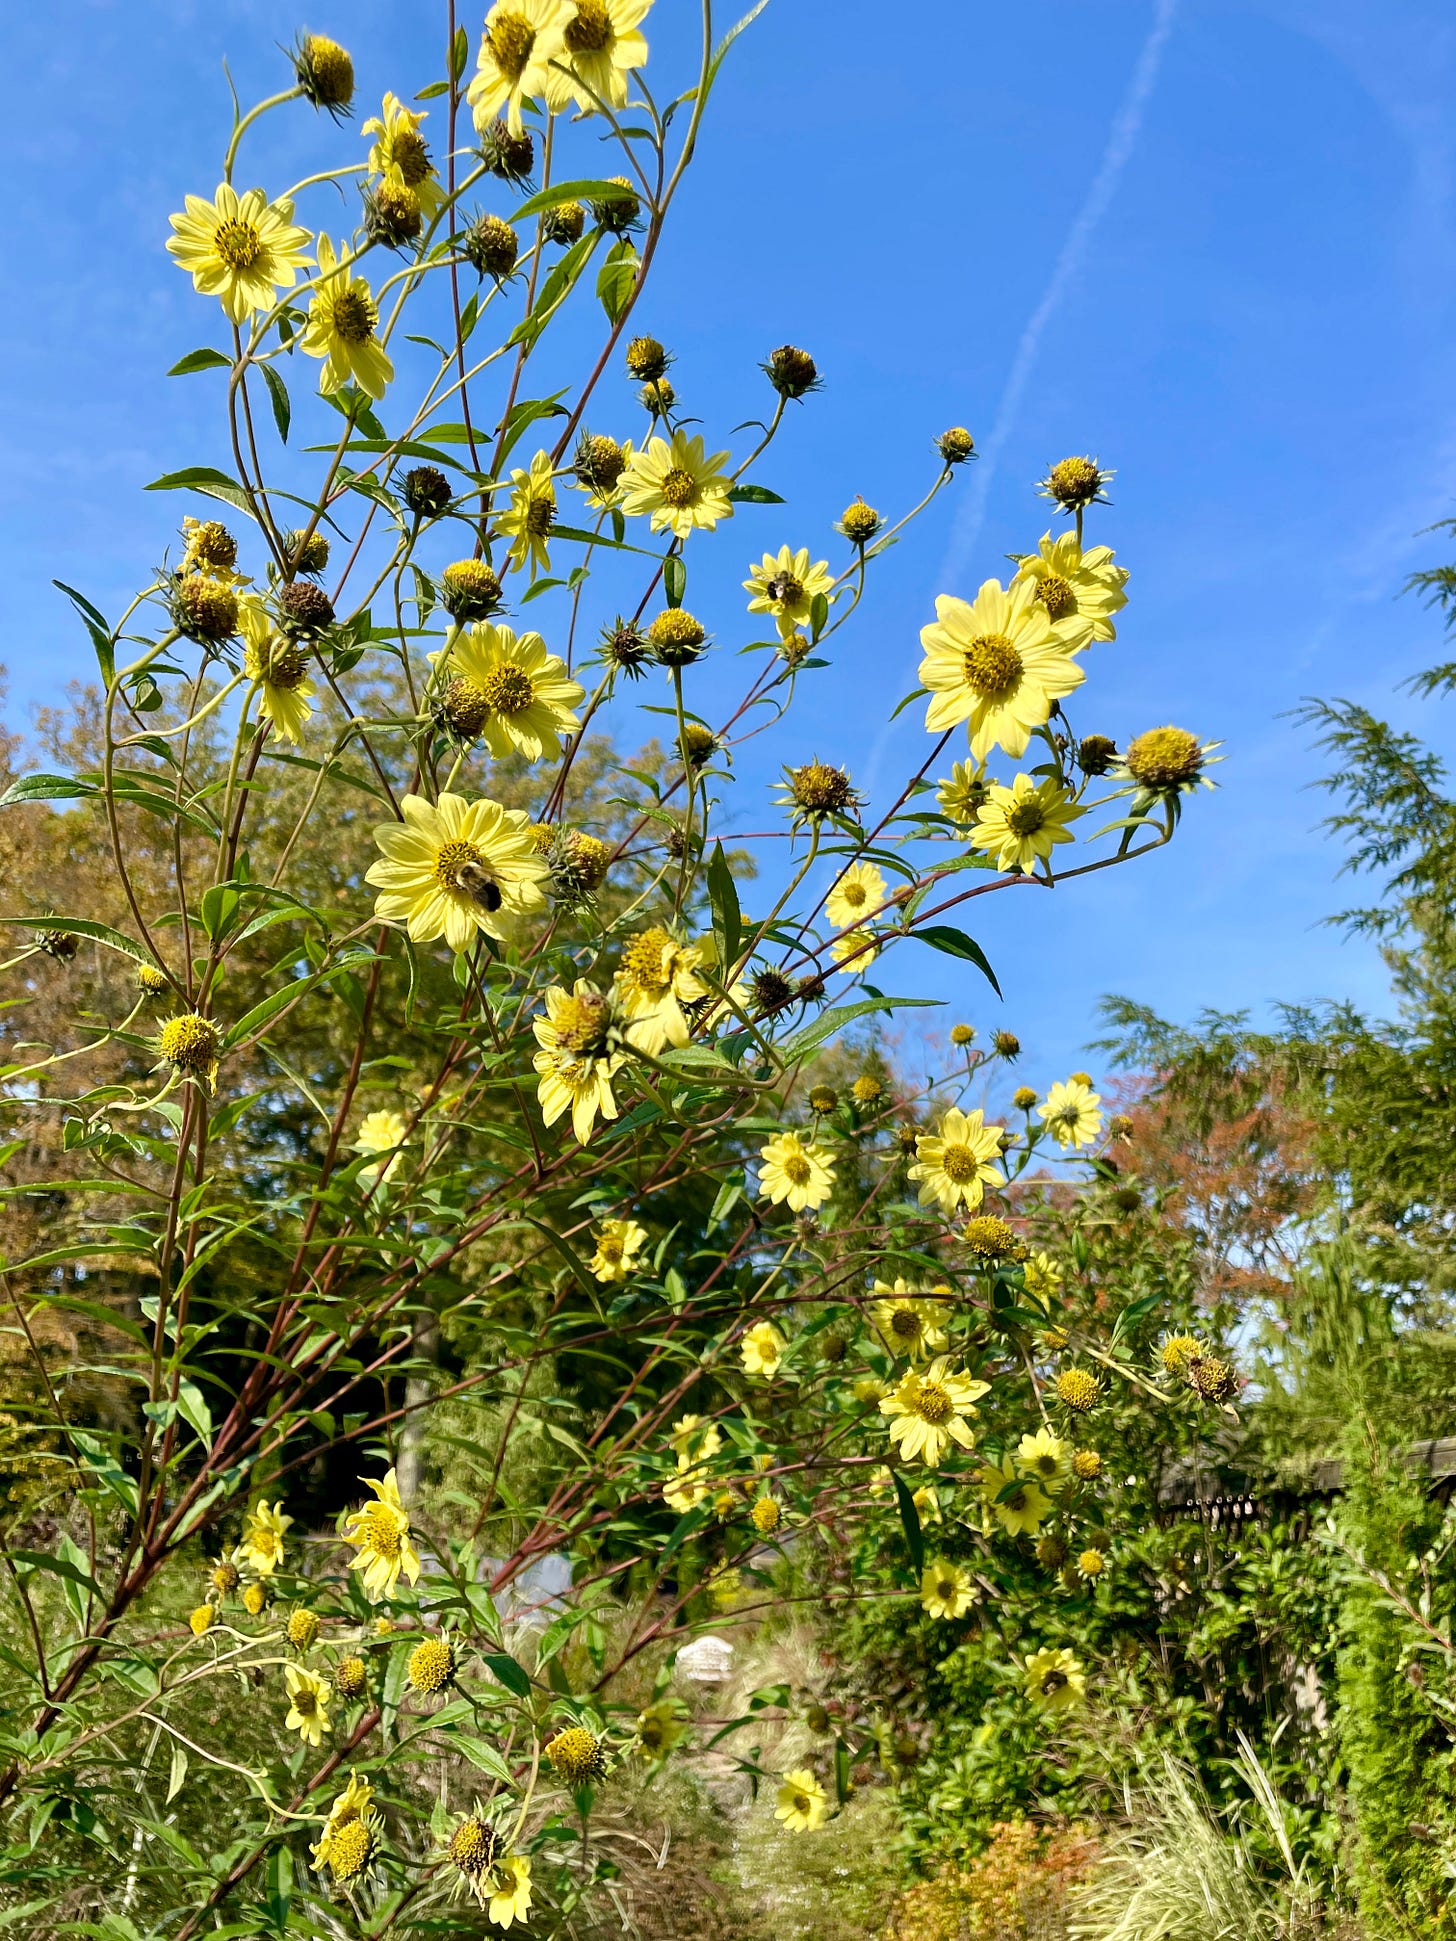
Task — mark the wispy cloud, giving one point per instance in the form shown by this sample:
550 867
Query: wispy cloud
1121 140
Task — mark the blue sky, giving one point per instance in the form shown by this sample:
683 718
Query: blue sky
1212 243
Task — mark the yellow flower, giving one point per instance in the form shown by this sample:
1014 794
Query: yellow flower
946 1591
577 1060
694 1435
471 1850
907 1323
1055 1681
1080 591
859 892
531 515
350 1805
927 1504
1045 1457
600 47
399 154
792 1171
928 1410
1019 1506
510 1897
261 1548
380 1532
657 976
1041 1275
308 1707
618 1244
279 667
381 1132
660 1727
803 1805
342 321
678 484
954 1165
786 585
521 39
964 791
201 1620
241 249
685 1490
1070 1113
527 695
1021 825
996 665
1090 1565
762 1348
453 867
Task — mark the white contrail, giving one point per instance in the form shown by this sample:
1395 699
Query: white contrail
1126 127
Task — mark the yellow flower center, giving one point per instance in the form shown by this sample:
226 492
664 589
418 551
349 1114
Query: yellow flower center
305 1703
512 38
472 1846
352 315
540 516
945 1589
380 1530
1026 818
1053 1682
1045 1465
278 664
581 1026
906 1325
678 488
237 243
799 1802
190 1043
797 1170
787 590
1056 595
854 895
1015 1501
349 1848
410 156
508 690
959 1164
460 868
610 1249
647 962
933 1404
992 666
590 30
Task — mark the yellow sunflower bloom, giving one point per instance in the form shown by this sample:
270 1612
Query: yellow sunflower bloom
521 39
618 1244
600 46
695 1436
906 1322
352 1804
803 1805
399 154
241 249
789 1170
1019 1506
1041 1275
1055 1680
279 669
528 520
946 1590
656 978
928 1410
1080 591
578 1058
786 585
762 1349
1021 825
955 1164
261 1547
1045 1458
1070 1113
677 485
963 793
996 665
860 891
380 1533
343 319
510 1887
452 868
308 1704
518 690
381 1132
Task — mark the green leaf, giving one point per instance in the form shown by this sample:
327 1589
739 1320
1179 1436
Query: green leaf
57 1567
45 788
840 1015
278 395
177 1776
482 1755
100 933
727 916
559 192
910 1522
508 1672
616 278
200 360
554 291
754 495
524 415
95 624
674 579
206 479
459 53
955 943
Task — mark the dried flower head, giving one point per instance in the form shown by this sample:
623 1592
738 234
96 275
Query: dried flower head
565 224
598 464
956 445
426 491
325 73
618 213
304 610
306 552
1096 754
508 156
791 372
202 608
491 247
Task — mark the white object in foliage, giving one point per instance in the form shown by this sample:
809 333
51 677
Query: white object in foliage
707 1661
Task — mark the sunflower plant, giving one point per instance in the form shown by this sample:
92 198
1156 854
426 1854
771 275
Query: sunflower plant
430 1173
